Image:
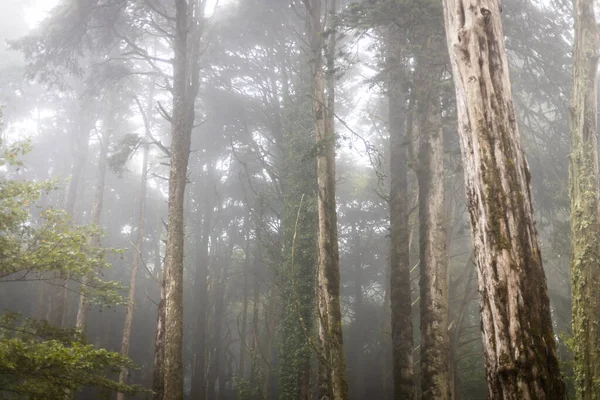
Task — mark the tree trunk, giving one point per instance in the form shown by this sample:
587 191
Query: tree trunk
201 291
158 375
585 213
328 272
186 42
400 301
435 373
96 213
361 328
137 254
519 347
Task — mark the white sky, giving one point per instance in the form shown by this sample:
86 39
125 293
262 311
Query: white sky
38 9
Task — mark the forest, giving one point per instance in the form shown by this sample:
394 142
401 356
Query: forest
299 199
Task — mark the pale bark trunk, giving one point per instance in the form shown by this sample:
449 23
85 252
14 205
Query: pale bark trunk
188 30
96 213
137 254
585 215
328 274
158 374
519 346
400 299
435 373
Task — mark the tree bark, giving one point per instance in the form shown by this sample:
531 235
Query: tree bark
519 347
400 301
585 213
137 254
328 273
435 373
158 374
186 42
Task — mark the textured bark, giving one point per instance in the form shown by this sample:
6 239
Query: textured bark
519 347
400 301
189 16
585 213
201 291
158 374
96 213
328 273
435 373
137 254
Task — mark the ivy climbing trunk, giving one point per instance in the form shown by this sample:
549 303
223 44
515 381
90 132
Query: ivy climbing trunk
189 18
332 363
519 347
585 213
296 320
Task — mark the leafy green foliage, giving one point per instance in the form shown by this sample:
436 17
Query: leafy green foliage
38 361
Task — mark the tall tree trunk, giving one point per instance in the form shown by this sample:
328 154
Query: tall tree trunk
137 259
189 16
585 213
400 301
519 347
158 373
96 213
435 373
201 291
217 339
361 327
328 273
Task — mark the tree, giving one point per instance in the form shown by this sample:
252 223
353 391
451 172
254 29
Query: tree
189 23
37 360
585 211
400 298
332 364
519 347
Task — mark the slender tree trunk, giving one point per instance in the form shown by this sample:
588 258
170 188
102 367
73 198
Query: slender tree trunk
435 372
328 274
188 30
218 342
158 375
81 139
201 291
137 254
244 327
519 347
255 318
96 213
400 301
585 213
361 328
